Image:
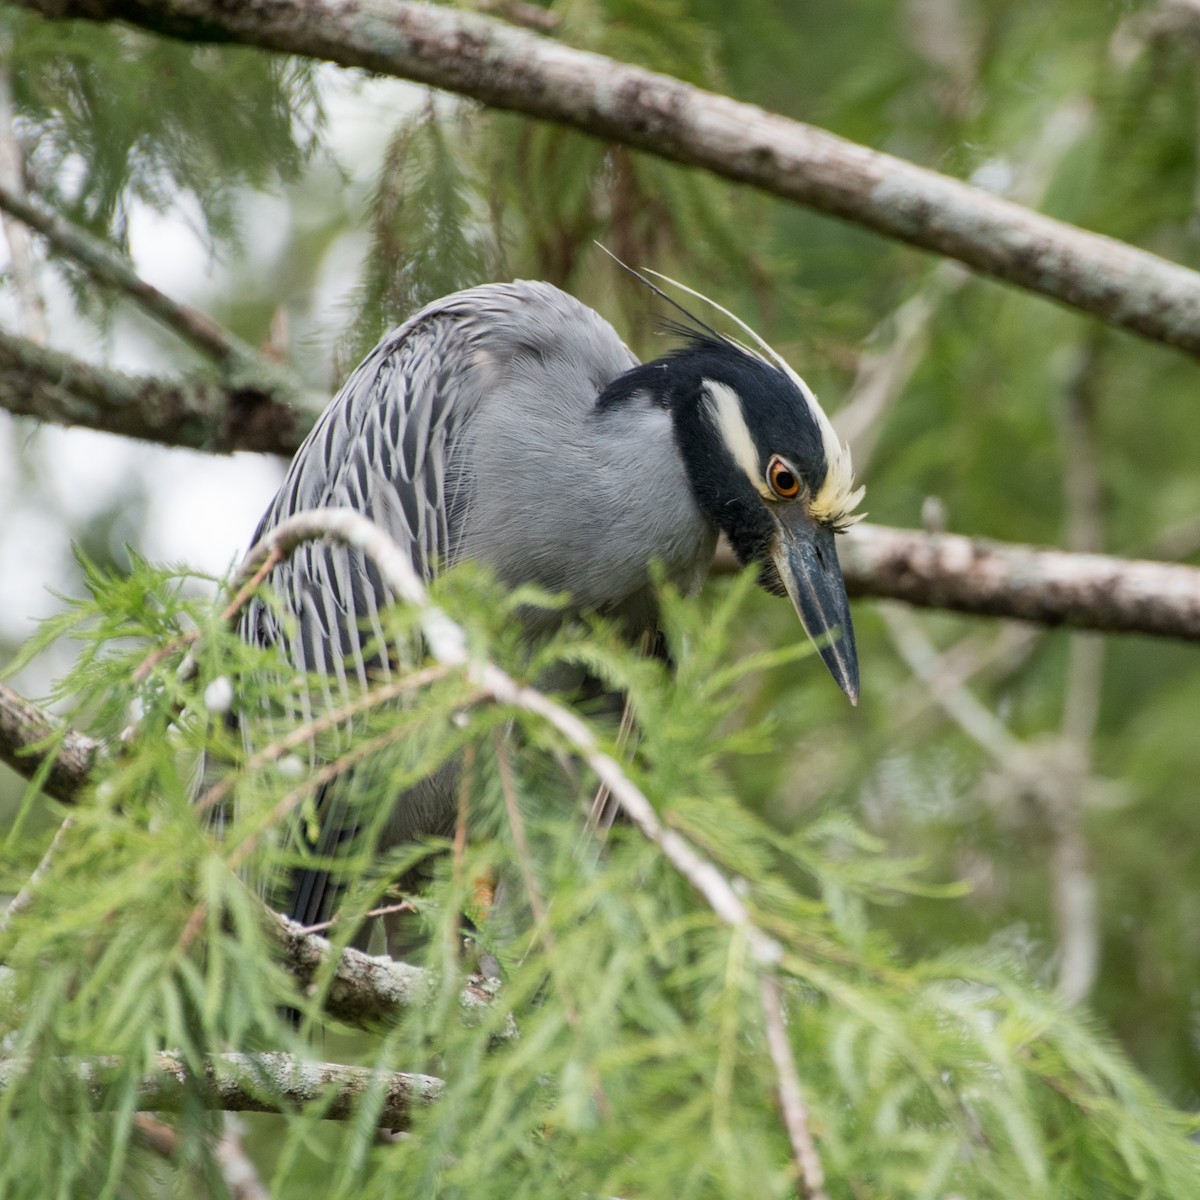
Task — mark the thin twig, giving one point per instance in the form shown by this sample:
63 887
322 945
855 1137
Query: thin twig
236 1166
975 656
462 817
516 823
791 1096
974 718
387 910
156 1134
1076 909
22 900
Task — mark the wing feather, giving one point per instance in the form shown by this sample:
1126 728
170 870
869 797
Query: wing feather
380 448
385 447
392 444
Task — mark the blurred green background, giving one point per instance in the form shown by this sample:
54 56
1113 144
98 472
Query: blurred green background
309 208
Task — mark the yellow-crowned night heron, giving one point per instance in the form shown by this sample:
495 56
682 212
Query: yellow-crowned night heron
509 424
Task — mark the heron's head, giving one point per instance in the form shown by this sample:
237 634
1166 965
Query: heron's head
769 471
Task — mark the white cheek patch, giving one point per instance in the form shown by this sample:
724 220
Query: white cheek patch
726 410
837 497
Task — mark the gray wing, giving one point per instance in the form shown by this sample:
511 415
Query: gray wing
391 445
380 448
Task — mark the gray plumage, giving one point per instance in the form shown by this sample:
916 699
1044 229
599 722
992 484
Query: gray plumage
509 424
430 438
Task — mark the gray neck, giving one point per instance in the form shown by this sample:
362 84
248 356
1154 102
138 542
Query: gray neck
586 505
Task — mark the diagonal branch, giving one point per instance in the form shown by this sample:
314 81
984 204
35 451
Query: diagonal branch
38 381
107 266
265 1083
513 69
447 644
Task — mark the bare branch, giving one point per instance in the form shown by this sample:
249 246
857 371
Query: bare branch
107 266
988 654
513 69
997 579
25 728
266 1083
236 1166
1076 907
974 718
38 381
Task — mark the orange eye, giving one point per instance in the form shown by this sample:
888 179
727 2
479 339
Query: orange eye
782 479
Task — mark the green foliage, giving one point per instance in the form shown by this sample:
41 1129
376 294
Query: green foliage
426 240
465 195
113 116
640 1065
926 1043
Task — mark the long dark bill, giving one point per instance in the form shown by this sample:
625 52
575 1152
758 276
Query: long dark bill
806 559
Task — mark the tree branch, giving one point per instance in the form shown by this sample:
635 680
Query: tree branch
25 729
38 381
1076 903
112 269
366 991
790 1093
266 1083
513 69
1051 587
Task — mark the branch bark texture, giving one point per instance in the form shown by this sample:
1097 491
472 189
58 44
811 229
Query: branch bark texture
201 414
513 69
996 579
366 991
24 728
269 1083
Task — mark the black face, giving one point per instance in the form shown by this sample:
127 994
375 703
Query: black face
756 461
776 422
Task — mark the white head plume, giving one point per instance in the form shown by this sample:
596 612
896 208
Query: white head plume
837 497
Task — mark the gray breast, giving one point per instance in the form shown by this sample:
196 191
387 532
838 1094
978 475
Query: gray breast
551 490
